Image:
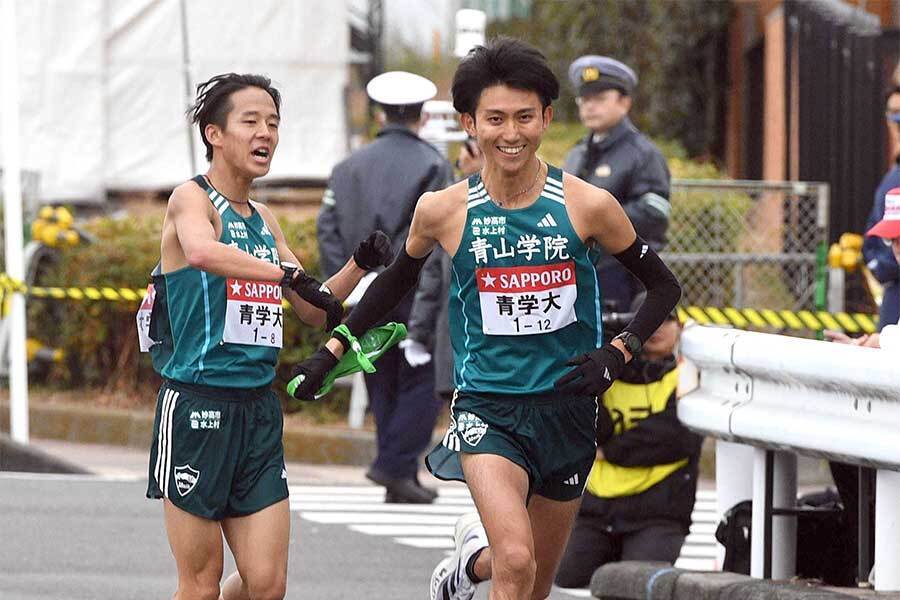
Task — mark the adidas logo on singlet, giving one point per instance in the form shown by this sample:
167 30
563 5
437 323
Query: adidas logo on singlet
547 221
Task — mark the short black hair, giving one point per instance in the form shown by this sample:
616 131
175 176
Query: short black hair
213 101
402 113
891 91
502 61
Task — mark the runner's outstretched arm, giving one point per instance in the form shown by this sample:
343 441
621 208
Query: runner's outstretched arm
385 292
319 304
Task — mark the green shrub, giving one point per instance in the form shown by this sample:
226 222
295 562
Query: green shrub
99 338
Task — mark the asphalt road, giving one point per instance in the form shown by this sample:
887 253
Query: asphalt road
77 537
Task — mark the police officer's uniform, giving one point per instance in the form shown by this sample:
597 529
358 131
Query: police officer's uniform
624 162
377 187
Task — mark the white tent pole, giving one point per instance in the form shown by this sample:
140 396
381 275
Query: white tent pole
12 221
188 90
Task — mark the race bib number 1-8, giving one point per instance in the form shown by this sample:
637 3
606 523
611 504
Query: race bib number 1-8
527 300
143 319
253 313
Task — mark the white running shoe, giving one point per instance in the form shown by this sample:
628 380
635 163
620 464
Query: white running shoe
449 580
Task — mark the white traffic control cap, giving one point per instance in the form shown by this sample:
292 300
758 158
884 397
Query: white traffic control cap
399 88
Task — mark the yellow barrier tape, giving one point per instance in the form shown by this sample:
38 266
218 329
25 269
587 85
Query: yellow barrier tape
786 320
772 317
791 319
735 317
847 322
7 284
829 321
802 320
809 320
754 317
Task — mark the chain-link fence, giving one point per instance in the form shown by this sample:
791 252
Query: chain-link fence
749 244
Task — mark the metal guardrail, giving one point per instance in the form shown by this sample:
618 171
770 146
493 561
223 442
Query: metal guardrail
784 396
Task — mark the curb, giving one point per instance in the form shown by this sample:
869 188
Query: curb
634 580
28 459
93 425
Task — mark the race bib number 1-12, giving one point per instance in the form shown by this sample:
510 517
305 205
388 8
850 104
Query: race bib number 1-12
527 300
253 313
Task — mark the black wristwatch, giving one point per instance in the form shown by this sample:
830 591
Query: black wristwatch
631 341
289 270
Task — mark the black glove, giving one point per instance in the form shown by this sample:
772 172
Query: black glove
374 251
594 372
312 372
318 294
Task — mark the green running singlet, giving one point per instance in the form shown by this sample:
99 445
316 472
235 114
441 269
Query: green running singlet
524 296
219 331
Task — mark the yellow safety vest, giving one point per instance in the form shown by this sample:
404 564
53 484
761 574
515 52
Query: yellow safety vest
628 404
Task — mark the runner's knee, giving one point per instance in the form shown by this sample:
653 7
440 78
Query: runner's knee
199 589
513 561
271 587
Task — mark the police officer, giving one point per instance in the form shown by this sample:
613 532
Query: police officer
380 184
615 156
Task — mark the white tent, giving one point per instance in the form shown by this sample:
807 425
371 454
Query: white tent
103 86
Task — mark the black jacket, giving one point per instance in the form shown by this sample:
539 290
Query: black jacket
658 439
377 187
627 165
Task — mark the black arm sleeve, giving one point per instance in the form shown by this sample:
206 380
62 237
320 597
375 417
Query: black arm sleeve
663 290
422 321
385 292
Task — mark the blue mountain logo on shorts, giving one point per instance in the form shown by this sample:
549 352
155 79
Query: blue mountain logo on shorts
186 478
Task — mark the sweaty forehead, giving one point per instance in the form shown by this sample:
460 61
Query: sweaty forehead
253 100
500 98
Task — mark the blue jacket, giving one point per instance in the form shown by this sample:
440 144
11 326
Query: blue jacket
879 258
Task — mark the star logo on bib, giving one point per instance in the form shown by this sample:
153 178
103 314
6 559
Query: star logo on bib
488 280
236 288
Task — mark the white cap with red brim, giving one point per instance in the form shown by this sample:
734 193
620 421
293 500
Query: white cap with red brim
889 226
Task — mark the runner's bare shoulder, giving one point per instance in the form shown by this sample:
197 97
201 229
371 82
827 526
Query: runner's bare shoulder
436 210
189 198
588 207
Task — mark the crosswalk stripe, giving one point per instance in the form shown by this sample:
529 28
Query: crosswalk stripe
426 542
347 518
695 564
430 526
428 530
373 490
454 509
374 502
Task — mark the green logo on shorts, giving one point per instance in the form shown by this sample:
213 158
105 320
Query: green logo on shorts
471 428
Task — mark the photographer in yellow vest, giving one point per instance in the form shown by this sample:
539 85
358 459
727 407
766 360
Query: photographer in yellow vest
640 492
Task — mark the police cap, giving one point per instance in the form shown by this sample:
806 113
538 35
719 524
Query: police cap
591 74
400 88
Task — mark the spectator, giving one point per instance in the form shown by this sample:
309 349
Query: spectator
617 157
640 493
878 257
887 233
380 184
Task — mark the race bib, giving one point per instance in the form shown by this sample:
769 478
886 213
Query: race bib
143 319
527 300
253 313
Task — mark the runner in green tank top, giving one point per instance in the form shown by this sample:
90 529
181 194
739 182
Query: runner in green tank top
213 324
525 321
